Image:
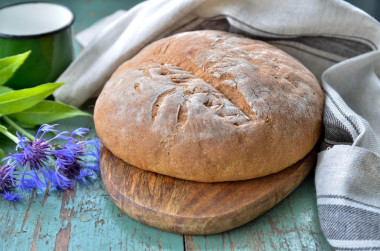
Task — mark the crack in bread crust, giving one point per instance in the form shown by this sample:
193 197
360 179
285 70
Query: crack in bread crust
137 88
182 115
159 100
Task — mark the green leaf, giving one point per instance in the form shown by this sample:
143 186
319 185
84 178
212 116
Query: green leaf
20 100
9 65
46 112
4 89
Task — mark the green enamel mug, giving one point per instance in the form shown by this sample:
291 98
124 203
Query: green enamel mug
43 28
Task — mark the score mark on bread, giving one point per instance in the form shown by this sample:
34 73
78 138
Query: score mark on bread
188 88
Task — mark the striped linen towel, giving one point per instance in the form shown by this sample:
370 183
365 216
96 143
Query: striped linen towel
336 41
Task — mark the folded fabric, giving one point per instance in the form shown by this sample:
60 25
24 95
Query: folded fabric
336 41
348 171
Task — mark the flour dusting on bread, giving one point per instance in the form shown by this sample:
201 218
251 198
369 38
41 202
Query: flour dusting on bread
210 106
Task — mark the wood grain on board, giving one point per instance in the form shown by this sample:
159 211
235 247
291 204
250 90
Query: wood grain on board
196 208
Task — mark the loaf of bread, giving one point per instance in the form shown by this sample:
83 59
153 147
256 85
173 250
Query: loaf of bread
210 106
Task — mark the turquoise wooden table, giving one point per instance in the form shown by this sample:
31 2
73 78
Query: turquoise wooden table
85 218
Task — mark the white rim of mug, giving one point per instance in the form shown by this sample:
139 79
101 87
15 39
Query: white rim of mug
53 32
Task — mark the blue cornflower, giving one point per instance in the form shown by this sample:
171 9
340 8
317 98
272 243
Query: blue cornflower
35 153
72 159
6 182
32 153
29 167
10 185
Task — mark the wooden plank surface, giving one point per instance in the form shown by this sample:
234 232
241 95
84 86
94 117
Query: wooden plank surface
291 225
86 219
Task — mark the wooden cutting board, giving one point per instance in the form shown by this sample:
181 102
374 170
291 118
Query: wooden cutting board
189 207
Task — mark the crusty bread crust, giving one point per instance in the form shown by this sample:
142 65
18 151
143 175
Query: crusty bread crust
210 106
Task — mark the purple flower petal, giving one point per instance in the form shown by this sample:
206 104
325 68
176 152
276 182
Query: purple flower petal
81 132
11 196
6 182
45 128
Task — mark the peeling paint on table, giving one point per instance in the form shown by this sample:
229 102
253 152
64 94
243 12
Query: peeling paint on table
86 219
83 218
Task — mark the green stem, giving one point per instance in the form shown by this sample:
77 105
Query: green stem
18 128
4 131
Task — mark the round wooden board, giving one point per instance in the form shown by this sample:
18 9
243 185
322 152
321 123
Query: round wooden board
189 207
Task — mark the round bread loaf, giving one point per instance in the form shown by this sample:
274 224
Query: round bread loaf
210 106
